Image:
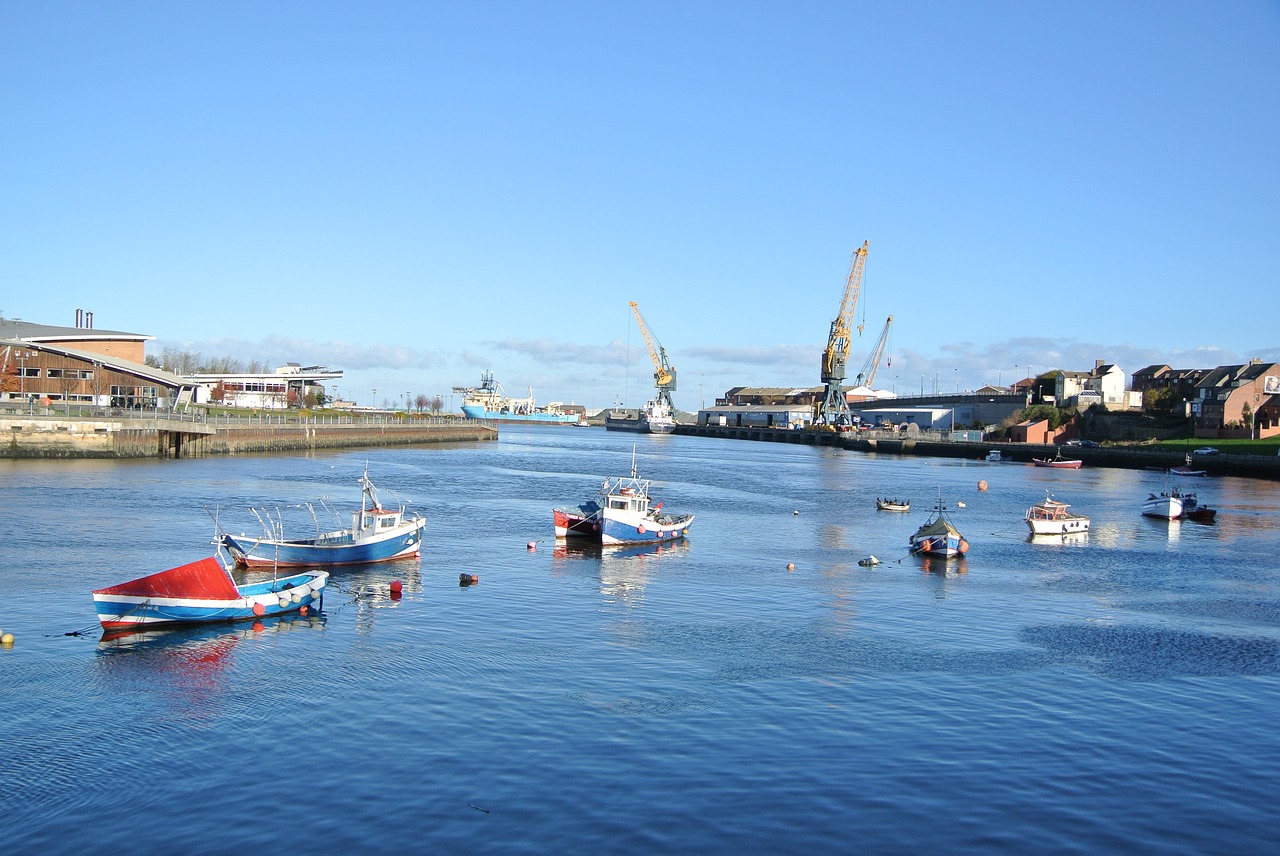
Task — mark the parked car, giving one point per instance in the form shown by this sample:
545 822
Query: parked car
1091 444
1207 450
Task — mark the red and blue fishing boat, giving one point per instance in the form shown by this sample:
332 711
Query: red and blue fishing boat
204 591
377 534
622 513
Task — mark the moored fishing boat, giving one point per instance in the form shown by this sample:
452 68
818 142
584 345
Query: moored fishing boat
376 534
1058 462
884 504
1051 517
204 591
1193 510
622 513
938 536
1166 505
1186 469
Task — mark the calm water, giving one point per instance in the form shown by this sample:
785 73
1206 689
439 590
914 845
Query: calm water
1119 693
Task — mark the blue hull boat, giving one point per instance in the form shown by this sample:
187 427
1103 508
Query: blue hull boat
376 534
204 591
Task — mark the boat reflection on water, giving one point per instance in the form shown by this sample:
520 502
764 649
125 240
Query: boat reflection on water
188 666
214 639
623 570
373 587
375 580
1069 538
939 569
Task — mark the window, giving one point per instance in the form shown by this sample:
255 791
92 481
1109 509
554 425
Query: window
55 373
86 374
25 372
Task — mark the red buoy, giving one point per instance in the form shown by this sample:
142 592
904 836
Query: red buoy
397 586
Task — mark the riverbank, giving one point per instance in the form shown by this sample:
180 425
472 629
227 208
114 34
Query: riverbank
1144 457
50 435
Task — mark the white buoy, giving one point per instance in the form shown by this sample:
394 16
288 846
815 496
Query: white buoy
6 639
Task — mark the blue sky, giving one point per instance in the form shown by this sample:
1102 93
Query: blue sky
414 192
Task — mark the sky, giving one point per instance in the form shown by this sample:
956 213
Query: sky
415 192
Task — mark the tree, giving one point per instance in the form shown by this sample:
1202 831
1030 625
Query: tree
437 404
421 402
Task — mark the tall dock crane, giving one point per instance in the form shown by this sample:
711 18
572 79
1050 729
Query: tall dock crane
867 376
833 410
664 374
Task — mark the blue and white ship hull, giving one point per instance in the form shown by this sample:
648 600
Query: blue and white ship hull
342 548
376 534
203 591
647 530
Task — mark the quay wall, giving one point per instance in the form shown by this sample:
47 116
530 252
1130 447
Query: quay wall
1123 457
46 436
291 436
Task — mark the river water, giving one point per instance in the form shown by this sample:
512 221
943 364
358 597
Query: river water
1115 693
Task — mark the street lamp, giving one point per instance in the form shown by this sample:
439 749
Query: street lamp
23 356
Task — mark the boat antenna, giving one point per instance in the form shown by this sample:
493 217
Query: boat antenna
633 461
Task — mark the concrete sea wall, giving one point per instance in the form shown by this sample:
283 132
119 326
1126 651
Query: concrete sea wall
51 436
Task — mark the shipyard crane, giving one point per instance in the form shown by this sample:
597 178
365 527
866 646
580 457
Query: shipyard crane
833 410
664 374
867 376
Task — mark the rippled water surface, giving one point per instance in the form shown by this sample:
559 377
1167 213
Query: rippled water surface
1113 693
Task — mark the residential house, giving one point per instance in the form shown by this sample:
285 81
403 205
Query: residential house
1238 401
1104 385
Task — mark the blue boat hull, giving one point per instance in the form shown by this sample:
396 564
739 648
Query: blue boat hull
614 531
310 553
297 593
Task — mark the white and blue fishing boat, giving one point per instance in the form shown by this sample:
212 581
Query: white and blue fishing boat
376 534
204 591
622 513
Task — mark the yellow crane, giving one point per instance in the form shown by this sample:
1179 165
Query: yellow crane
833 410
867 376
664 374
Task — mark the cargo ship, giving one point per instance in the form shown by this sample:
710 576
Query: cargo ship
488 401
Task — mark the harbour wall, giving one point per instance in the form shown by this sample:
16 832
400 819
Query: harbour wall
1124 457
51 436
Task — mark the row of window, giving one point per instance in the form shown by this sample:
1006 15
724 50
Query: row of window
236 386
77 374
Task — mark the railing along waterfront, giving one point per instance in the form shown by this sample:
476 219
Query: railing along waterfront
198 415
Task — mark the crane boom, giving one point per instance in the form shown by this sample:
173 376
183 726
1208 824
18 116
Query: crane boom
664 374
868 374
833 410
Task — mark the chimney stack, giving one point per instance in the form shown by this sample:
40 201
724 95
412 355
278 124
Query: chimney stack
79 318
